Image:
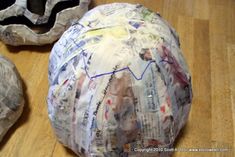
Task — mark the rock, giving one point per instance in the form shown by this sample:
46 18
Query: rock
119 84
11 95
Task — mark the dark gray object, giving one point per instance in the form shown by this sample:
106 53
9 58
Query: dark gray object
38 22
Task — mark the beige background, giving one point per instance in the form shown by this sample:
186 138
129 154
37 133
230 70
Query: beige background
207 33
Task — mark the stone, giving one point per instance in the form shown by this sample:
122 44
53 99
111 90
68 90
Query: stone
11 95
118 84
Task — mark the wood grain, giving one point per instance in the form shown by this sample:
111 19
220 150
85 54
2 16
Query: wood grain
207 34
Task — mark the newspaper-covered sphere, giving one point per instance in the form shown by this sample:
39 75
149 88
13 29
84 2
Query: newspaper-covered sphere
119 85
38 22
11 95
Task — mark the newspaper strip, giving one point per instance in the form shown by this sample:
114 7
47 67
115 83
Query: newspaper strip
118 82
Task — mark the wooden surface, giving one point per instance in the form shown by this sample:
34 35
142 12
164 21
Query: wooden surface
207 34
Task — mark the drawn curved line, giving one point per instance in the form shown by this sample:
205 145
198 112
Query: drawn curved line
119 70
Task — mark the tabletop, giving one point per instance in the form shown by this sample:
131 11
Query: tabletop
207 34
